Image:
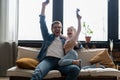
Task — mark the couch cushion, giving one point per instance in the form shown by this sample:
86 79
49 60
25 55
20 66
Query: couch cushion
87 54
103 58
15 71
104 72
27 52
27 63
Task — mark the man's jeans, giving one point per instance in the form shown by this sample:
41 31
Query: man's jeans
51 63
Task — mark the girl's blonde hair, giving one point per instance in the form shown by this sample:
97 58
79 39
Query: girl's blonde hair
71 27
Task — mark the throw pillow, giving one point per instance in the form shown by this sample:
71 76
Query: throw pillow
27 52
27 63
103 58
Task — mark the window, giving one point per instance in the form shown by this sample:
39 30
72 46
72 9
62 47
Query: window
29 10
119 21
93 12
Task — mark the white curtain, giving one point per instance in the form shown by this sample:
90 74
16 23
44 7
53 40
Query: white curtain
8 34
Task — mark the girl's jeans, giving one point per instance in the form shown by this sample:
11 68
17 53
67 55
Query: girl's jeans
68 58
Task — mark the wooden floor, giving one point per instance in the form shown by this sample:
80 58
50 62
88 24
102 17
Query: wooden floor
4 78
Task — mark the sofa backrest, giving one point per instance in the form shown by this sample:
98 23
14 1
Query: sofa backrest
84 54
87 54
24 52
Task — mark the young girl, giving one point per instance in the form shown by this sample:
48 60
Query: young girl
71 56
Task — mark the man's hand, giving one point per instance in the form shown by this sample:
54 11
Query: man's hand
45 3
43 7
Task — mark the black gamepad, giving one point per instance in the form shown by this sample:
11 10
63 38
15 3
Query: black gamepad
77 11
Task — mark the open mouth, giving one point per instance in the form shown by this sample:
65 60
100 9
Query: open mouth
69 33
57 32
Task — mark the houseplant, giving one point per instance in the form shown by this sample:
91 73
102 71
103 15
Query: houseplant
87 32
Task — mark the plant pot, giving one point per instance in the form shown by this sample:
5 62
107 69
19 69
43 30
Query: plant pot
88 39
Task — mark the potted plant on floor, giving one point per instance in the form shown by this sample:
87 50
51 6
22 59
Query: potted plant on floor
87 32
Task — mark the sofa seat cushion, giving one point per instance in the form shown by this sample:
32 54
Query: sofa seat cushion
84 72
15 71
103 72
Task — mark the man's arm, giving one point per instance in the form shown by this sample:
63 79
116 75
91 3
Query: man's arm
43 25
43 7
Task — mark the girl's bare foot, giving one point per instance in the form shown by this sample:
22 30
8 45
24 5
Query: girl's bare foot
77 62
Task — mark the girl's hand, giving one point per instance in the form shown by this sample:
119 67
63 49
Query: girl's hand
77 14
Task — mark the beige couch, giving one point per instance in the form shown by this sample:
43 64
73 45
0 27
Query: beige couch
16 73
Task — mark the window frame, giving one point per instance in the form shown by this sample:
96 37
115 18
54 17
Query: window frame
58 15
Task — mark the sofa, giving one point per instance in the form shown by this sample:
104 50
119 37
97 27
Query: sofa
23 71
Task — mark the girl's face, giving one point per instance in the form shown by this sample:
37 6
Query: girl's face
70 32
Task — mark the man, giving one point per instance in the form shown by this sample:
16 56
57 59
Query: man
52 51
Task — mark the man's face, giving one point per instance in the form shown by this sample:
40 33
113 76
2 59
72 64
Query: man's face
56 29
